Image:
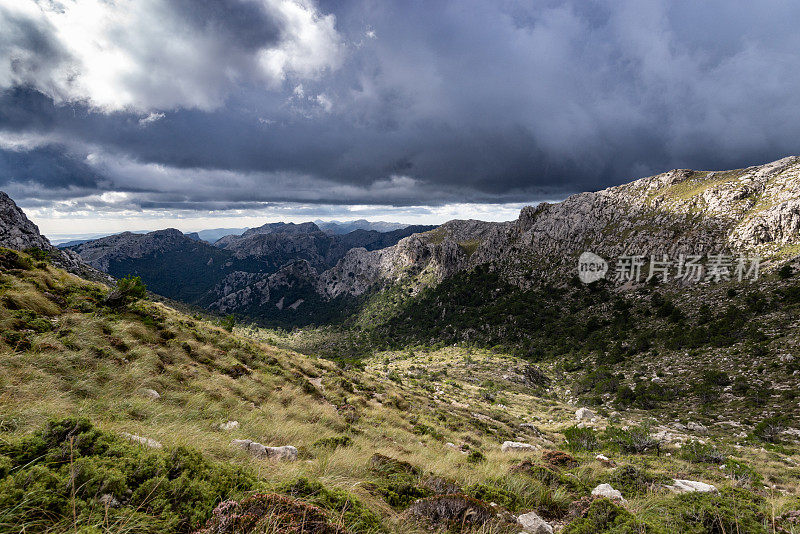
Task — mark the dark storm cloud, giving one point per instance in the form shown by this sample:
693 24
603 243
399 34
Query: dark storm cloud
425 103
243 22
50 168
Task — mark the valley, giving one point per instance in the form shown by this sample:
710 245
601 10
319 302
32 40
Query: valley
457 378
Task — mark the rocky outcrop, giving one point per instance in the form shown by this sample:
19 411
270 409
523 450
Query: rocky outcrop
262 290
16 230
753 210
449 510
19 233
99 253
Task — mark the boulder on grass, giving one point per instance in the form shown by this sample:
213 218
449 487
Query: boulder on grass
689 486
533 524
605 490
517 446
286 452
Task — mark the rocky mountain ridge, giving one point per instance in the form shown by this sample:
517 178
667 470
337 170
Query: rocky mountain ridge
752 211
236 272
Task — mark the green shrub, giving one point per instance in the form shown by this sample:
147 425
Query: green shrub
581 439
635 440
770 429
475 456
228 322
11 259
603 516
128 290
158 491
402 495
731 510
633 481
426 430
742 474
39 254
785 272
702 453
352 512
490 493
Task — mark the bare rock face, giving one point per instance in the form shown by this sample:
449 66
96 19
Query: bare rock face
99 253
19 233
16 230
244 290
750 211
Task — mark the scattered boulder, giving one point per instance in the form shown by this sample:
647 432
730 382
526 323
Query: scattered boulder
286 452
696 427
605 490
151 394
517 446
230 425
584 414
532 523
147 442
689 486
452 510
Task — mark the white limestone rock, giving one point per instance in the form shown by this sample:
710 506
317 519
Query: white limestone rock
533 524
605 490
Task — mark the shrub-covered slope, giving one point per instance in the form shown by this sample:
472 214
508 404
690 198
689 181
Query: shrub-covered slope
89 390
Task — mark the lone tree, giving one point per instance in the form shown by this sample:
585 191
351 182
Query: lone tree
129 289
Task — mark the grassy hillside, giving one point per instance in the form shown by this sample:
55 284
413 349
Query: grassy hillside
377 442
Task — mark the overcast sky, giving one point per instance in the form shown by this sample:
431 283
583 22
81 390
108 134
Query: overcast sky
141 114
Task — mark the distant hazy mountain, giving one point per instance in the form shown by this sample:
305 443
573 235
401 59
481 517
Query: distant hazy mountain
214 234
71 240
209 236
345 227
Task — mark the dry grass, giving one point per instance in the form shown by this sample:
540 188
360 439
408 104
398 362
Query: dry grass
96 363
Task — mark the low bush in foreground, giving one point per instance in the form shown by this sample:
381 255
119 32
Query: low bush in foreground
71 475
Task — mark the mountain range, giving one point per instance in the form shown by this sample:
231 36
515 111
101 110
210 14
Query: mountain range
185 268
477 383
286 273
